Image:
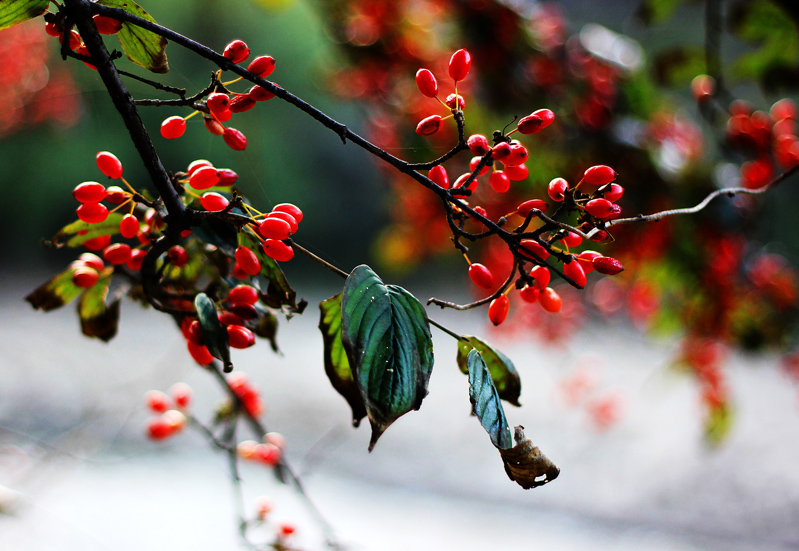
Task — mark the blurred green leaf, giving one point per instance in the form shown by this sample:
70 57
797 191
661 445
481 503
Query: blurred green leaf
13 12
57 292
71 236
98 319
214 334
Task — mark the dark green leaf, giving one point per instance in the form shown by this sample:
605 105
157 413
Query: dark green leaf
97 319
279 293
503 372
214 334
386 334
218 233
485 401
337 366
267 329
71 236
13 12
55 293
142 47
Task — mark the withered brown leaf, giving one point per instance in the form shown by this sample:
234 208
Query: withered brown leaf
525 464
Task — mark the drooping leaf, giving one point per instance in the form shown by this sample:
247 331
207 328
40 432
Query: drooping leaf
485 401
279 293
98 319
13 12
337 366
71 235
57 292
525 464
267 329
142 47
387 338
214 334
503 372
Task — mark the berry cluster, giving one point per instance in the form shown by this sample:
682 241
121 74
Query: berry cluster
171 410
221 104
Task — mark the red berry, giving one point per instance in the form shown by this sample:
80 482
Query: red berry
606 265
106 25
240 337
200 353
557 189
602 208
277 250
229 318
429 126
262 66
517 156
481 211
173 127
217 102
274 228
276 439
614 193
244 312
289 219
97 243
438 174
159 429
525 208
478 144
240 104
52 29
116 195
459 65
225 115
247 261
451 103
117 254
259 93
462 180
238 273
213 201
237 51
536 122
243 294
92 213
129 226
85 277
74 39
501 151
703 87
498 309
197 165
289 208
550 300
427 83
92 261
194 333
177 256
109 164
529 294
541 275
586 258
214 126
227 177
89 192
574 270
268 454
481 276
599 175
157 401
499 181
286 529
532 246
571 239
204 177
181 393
235 139
517 173
474 163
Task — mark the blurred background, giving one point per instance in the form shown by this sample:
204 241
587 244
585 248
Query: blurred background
667 395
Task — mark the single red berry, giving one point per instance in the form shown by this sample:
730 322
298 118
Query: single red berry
235 139
438 175
136 259
277 250
557 189
217 102
247 261
92 213
529 294
289 219
703 87
499 181
427 83
276 439
501 151
429 125
259 93
117 254
289 208
606 265
129 226
614 193
574 270
244 312
274 228
237 51
173 127
97 243
225 115
783 109
286 529
602 208
85 277
462 180
177 256
525 208
213 201
530 124
498 309
532 246
92 261
240 337
181 394
240 104
550 300
474 162
517 173
599 175
74 39
229 318
175 419
194 333
268 454
262 66
89 192
243 294
481 276
541 275
481 211
116 195
214 126
571 239
517 156
157 401
109 164
159 429
227 177
200 353
204 177
238 272
459 65
586 258
197 165
451 102
478 144
107 25
53 29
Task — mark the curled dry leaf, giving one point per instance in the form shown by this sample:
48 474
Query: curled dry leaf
525 464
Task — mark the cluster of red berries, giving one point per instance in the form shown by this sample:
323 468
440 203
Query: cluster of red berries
105 25
269 452
170 409
219 106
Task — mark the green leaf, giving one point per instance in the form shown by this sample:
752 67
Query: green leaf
337 366
13 12
97 319
55 293
279 293
503 372
267 328
485 402
71 236
214 334
218 233
142 47
386 334
658 11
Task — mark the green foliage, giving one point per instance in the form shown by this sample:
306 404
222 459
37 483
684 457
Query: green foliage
485 402
57 292
214 334
503 372
142 47
279 294
13 12
72 235
97 318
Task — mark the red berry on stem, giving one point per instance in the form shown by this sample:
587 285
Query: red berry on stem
574 270
525 208
277 250
181 393
195 333
289 219
532 246
614 193
173 127
557 189
571 239
429 125
213 201
200 353
197 165
129 226
474 162
204 177
462 180
259 93
274 228
109 164
262 66
227 177
214 126
517 156
459 65
240 104
117 254
92 213
501 151
602 208
289 208
107 25
606 265
225 115
157 401
92 261
599 175
586 258
498 309
89 192
499 181
550 300
529 294
178 256
85 277
541 275
478 144
116 195
248 261
481 276
427 83
438 174
517 173
240 337
243 294
530 124
98 243
235 139
451 102
237 51
218 102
